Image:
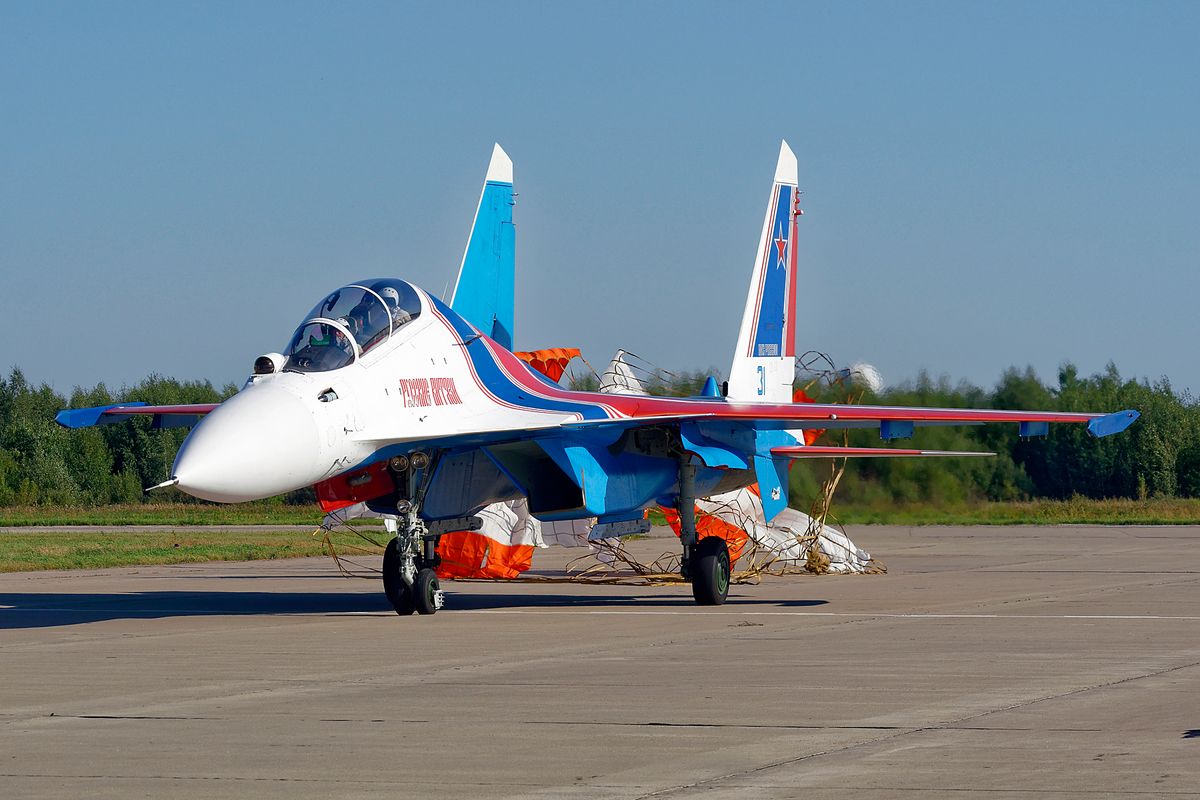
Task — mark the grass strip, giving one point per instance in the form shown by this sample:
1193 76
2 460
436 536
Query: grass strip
162 514
20 552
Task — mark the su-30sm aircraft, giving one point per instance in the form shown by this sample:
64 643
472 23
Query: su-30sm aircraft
388 396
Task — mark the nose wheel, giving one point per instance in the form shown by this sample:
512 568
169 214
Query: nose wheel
399 593
410 588
427 595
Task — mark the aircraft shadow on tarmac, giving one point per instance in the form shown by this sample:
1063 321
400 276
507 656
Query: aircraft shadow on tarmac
53 609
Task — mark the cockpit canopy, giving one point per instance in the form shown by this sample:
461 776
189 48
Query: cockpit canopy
349 322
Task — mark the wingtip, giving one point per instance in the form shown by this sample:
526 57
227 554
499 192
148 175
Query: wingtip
1109 424
786 169
500 168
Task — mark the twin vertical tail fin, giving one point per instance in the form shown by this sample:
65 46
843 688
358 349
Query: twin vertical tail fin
765 359
764 363
483 295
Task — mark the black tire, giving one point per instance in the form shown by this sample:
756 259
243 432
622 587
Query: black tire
424 591
397 593
710 571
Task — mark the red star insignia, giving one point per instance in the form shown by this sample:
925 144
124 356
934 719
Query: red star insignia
781 244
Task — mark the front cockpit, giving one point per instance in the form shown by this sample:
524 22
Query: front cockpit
350 322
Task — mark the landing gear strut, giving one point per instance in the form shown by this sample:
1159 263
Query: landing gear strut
409 579
705 563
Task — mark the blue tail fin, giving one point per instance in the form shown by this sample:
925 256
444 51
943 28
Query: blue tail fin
483 294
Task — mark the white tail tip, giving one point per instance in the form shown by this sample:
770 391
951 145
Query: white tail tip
786 170
500 168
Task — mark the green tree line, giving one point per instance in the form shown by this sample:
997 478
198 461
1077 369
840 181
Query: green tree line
1159 456
44 464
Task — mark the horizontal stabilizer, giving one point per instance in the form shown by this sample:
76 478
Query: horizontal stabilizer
818 451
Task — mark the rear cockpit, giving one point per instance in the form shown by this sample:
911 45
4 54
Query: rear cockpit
350 322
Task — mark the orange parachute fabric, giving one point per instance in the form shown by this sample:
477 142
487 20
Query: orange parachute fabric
551 362
735 538
467 554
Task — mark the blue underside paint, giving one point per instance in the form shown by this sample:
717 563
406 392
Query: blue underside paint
87 417
1029 430
895 429
772 471
1112 423
712 453
749 438
772 475
484 293
613 485
100 415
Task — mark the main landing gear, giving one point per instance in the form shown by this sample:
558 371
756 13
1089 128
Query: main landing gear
409 579
705 562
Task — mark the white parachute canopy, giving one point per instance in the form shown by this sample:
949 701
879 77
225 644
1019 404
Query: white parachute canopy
866 376
789 535
623 375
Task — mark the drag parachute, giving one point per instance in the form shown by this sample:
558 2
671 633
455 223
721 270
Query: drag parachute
551 362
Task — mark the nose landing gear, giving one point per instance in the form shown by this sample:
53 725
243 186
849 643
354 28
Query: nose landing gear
410 581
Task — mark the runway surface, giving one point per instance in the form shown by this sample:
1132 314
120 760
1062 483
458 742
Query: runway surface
989 662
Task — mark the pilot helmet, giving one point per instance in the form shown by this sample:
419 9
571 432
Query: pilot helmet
390 296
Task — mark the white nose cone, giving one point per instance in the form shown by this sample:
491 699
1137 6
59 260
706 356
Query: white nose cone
258 443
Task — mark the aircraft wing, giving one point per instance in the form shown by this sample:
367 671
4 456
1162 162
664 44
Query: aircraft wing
181 416
894 422
704 418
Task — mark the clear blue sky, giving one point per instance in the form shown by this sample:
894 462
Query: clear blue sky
986 184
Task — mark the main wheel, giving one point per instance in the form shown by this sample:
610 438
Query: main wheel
399 595
427 592
710 571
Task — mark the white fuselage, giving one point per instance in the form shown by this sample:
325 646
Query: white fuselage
288 430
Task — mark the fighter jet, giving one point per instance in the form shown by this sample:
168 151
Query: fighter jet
386 395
